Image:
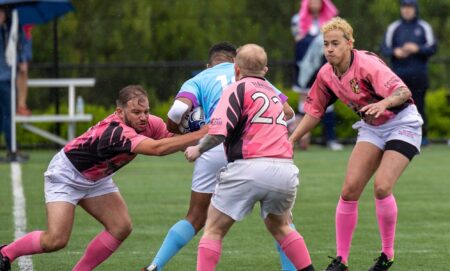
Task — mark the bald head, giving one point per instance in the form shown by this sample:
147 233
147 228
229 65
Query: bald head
251 60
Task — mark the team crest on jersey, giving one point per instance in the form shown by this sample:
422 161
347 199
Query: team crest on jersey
355 86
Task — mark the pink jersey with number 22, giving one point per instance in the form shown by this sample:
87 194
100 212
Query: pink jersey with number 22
250 115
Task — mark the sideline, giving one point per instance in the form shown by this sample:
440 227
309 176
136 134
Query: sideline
19 212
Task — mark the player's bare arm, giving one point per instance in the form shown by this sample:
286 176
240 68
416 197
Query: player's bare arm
210 141
288 111
307 123
170 145
207 143
398 97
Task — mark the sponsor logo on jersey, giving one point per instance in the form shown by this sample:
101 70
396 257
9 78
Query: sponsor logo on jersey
355 86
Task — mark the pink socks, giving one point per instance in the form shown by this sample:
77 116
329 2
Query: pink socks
208 254
28 244
346 220
98 250
386 210
295 249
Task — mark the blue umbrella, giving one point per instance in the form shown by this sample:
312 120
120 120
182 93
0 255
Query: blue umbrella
28 12
38 11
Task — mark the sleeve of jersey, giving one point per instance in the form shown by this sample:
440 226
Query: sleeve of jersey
318 98
383 79
129 134
190 90
280 94
220 119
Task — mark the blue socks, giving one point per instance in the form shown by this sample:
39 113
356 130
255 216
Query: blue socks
286 264
178 236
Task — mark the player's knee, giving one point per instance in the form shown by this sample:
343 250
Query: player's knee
382 190
124 231
197 220
121 230
54 242
350 193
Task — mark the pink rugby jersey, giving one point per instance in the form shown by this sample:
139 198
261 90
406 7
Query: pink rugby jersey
368 80
109 145
250 116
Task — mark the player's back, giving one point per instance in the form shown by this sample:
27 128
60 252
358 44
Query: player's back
208 85
254 121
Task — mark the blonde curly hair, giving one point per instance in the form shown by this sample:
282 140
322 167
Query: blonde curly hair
337 23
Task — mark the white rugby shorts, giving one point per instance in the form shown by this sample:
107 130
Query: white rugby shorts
406 126
271 182
64 183
206 167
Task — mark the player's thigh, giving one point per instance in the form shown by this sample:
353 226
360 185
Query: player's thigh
206 168
110 210
278 225
217 224
391 167
363 162
60 217
199 202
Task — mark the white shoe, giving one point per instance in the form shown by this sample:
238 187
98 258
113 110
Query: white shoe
334 145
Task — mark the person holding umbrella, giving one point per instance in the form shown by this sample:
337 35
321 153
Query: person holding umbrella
15 13
5 89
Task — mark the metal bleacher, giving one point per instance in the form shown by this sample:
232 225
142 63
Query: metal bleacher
71 118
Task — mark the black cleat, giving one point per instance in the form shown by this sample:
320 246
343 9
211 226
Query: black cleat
5 264
336 265
382 263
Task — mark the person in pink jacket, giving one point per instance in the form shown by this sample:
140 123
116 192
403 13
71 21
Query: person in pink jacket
309 58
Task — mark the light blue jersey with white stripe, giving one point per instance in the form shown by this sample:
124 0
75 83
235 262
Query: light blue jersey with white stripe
205 88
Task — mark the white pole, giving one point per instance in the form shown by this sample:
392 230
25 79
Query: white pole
14 35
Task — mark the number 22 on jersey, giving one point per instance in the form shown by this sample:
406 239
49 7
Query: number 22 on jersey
259 118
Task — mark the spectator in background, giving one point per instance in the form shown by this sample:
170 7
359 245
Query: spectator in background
5 89
305 27
409 43
22 73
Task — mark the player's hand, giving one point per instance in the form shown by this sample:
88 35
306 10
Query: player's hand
192 153
375 109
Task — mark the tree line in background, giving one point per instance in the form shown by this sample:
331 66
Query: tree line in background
160 43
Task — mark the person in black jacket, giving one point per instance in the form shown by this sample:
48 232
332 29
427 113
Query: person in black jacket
409 43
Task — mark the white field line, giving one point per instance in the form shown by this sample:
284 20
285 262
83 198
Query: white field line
20 218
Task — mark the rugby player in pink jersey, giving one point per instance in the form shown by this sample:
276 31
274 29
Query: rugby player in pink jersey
389 134
81 174
249 120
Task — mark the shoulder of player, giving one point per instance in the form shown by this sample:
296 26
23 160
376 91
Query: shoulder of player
154 119
326 69
366 59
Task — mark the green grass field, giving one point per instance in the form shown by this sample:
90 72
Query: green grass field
157 192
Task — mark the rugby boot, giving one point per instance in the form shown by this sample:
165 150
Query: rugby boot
5 264
336 264
382 263
151 267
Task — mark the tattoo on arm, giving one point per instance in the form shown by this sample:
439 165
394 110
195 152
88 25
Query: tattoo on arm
210 141
399 96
